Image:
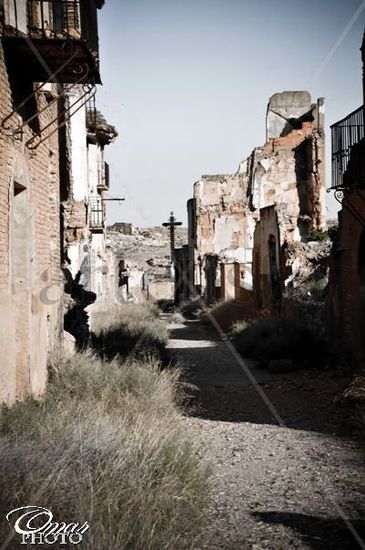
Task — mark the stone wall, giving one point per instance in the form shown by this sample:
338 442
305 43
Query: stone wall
221 231
277 194
289 170
31 301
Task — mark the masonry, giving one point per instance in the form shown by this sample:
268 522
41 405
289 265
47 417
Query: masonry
346 300
31 285
38 41
244 221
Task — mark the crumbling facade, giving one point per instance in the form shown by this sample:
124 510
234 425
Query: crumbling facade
43 50
90 272
242 223
221 233
346 301
102 271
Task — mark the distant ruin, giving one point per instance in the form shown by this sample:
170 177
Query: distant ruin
240 224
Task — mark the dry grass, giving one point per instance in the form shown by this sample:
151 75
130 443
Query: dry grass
129 328
104 446
239 326
278 338
225 313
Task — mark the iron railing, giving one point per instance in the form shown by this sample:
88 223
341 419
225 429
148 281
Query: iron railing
347 142
96 213
53 19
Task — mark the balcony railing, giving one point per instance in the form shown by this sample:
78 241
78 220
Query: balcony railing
64 32
96 214
348 147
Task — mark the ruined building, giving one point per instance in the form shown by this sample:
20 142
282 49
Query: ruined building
46 48
86 265
347 275
102 270
241 224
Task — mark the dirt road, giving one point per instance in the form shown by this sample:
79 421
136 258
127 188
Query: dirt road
298 485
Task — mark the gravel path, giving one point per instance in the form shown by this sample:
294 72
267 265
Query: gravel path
274 487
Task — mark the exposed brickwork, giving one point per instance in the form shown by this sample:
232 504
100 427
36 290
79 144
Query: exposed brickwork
346 304
287 175
75 221
33 327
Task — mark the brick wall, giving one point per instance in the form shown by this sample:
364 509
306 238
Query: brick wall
346 308
30 278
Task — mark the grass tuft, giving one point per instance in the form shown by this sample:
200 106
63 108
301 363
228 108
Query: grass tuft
129 328
105 445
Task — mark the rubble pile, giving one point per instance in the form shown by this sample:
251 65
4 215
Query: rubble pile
306 285
147 249
309 267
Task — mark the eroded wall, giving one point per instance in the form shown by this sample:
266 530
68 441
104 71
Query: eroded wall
286 174
346 300
31 303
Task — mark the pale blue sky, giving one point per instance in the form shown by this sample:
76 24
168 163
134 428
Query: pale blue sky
187 82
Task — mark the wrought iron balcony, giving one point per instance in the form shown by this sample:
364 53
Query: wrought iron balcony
55 40
96 215
348 152
103 177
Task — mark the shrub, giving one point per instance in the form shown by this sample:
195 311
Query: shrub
166 305
318 235
277 338
129 328
191 308
104 446
355 395
238 327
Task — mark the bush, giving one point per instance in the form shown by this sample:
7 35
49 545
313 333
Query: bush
166 305
192 308
104 446
318 235
129 328
238 327
277 338
355 396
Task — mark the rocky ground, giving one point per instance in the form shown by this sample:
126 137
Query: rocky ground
289 477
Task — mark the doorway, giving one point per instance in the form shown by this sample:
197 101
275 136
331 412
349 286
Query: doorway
20 273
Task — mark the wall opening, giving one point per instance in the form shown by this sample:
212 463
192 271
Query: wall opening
211 263
274 272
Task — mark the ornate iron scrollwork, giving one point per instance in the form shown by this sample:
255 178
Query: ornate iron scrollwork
343 197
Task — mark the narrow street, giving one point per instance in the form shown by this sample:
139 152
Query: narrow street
274 487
